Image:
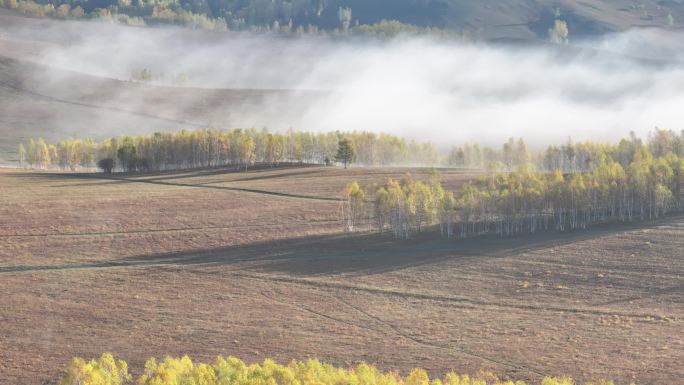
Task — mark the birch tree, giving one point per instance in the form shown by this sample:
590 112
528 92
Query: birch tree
353 205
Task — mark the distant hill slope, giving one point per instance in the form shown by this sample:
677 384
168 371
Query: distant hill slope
531 19
520 19
489 19
39 101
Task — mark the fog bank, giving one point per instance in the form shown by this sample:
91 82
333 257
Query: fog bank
422 88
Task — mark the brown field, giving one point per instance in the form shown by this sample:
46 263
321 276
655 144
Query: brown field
255 265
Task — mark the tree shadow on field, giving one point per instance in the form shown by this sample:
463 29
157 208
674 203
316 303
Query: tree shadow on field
370 254
354 254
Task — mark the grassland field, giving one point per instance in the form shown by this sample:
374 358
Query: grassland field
256 264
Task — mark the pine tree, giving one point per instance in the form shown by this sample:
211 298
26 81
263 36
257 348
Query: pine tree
345 152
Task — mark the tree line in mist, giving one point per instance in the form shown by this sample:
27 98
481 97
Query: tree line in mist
217 148
245 147
106 370
575 187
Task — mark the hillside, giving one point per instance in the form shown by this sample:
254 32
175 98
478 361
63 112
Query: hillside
37 99
531 19
487 19
523 19
41 101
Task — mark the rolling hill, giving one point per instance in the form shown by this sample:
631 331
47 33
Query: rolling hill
39 100
519 19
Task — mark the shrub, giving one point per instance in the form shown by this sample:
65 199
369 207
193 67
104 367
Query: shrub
100 371
233 371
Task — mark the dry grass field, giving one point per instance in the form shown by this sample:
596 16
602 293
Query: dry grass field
255 264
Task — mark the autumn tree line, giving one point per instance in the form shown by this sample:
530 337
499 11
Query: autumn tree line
575 186
216 148
568 157
212 148
106 370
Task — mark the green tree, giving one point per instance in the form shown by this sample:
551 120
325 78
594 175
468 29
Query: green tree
345 152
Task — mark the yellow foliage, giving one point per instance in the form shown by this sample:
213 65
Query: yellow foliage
101 371
232 371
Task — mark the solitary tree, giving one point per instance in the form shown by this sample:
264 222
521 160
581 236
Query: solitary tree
345 152
559 33
106 165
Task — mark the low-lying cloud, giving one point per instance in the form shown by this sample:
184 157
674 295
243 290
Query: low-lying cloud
444 91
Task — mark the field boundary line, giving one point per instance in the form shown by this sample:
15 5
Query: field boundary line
171 230
226 188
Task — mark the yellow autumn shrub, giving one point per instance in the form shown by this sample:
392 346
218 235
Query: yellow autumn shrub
100 371
233 371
